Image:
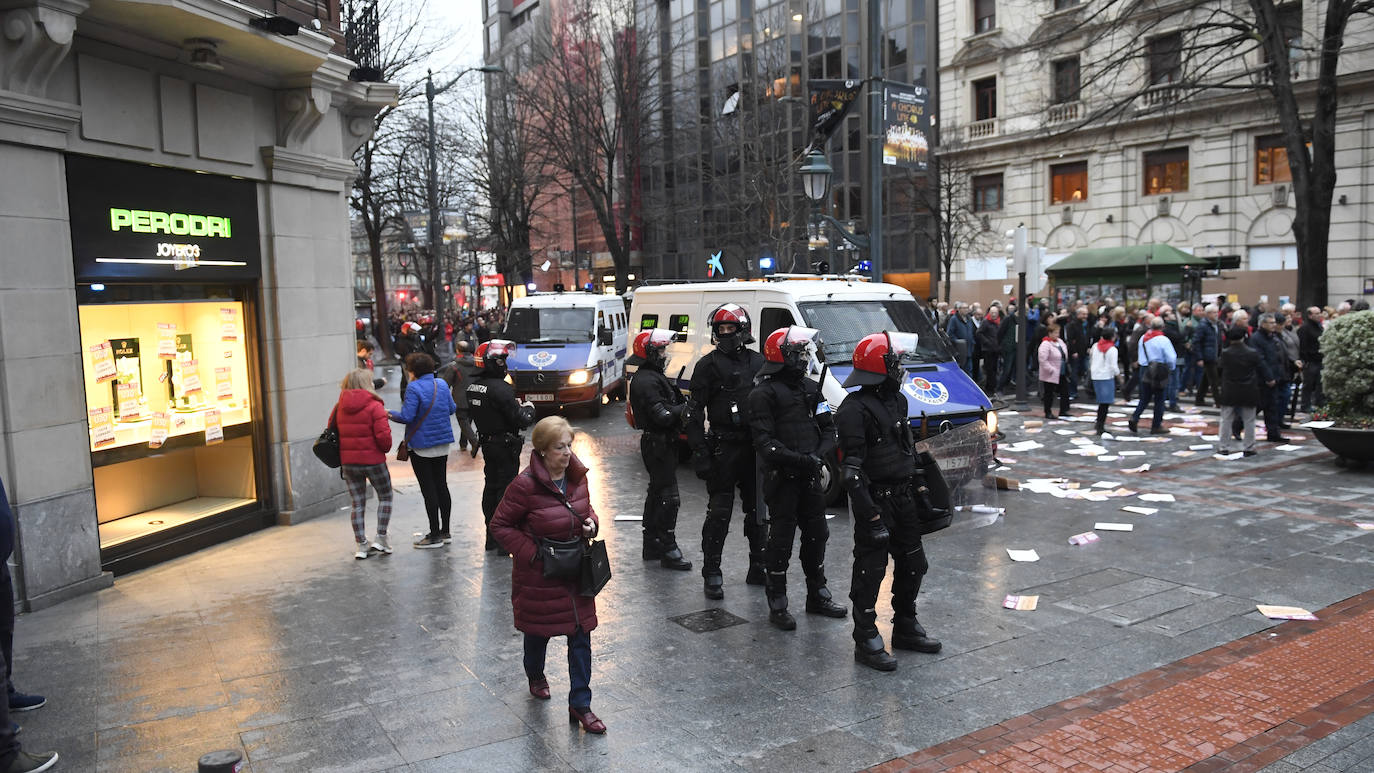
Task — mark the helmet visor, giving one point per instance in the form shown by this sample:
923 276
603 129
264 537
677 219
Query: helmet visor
901 345
798 336
659 336
498 347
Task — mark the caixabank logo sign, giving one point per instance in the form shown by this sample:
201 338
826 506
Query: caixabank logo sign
142 223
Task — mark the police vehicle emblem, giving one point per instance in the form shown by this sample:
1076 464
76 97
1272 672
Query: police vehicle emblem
930 392
542 359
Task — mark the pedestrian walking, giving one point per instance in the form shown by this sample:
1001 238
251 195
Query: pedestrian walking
895 496
1156 360
723 455
658 409
550 500
429 437
360 418
1241 371
499 418
794 434
1053 358
1104 368
13 759
458 374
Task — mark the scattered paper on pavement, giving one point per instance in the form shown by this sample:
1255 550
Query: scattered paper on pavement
1030 424
1130 453
1185 453
1287 447
1228 457
1157 497
1141 468
1085 538
1140 510
1065 432
1023 555
1365 526
1111 458
1285 613
1106 484
1317 425
1021 603
1024 445
629 517
1200 447
1105 526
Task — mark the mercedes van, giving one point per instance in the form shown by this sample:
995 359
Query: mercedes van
948 412
569 349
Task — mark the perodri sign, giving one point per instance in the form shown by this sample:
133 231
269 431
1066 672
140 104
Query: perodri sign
174 223
182 255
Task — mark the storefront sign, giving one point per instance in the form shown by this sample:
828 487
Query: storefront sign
161 425
128 402
214 430
102 362
102 426
228 324
224 384
906 127
491 280
166 341
134 222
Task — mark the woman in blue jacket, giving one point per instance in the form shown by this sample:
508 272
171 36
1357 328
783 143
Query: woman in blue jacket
429 434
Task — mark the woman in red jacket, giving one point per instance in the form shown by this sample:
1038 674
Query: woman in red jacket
549 498
364 440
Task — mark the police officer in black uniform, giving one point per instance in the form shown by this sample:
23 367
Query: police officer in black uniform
895 495
658 408
793 434
499 418
724 455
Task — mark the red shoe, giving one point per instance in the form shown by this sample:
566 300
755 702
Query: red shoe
587 719
539 688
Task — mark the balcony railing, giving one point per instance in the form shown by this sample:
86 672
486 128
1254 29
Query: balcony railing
1064 111
1160 95
979 130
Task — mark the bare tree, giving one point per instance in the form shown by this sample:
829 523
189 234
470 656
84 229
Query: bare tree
946 193
1171 59
378 193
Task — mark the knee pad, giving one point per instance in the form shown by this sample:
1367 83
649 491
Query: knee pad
815 531
671 500
914 562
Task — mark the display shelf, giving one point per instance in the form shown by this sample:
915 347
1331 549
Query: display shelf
119 454
160 519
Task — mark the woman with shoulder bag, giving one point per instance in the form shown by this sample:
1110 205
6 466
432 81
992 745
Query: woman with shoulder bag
548 502
429 435
364 440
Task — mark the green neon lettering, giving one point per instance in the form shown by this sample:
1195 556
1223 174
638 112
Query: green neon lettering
142 221
120 218
179 223
157 221
150 222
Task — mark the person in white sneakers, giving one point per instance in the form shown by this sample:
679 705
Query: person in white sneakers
364 440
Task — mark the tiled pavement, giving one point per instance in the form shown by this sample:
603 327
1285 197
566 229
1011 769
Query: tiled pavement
280 645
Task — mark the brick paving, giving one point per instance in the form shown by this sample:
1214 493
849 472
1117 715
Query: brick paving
1237 707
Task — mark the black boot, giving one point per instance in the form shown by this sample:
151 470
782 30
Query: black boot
871 653
907 634
758 574
778 614
820 602
712 582
672 559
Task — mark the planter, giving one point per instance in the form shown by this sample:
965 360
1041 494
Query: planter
1349 445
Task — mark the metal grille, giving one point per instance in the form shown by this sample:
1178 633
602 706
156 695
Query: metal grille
707 620
363 39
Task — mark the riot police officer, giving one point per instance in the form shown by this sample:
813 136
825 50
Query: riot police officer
793 434
658 408
499 418
895 496
724 455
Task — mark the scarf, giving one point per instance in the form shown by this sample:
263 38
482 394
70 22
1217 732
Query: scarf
1150 335
1105 346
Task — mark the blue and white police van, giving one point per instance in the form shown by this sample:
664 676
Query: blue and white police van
569 349
949 413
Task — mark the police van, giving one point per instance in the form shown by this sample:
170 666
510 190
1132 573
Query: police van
947 410
569 349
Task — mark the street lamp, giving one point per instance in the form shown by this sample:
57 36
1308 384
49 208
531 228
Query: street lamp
815 174
432 91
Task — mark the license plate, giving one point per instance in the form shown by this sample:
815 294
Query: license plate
539 397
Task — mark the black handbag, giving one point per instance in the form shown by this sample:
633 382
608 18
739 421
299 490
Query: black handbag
561 559
326 447
596 569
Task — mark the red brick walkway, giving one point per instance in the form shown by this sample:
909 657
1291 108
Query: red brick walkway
1237 707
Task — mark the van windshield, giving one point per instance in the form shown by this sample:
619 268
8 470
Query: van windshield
549 326
844 323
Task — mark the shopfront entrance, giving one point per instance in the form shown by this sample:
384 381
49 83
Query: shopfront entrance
167 266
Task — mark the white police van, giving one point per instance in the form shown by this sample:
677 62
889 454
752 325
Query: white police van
942 398
569 349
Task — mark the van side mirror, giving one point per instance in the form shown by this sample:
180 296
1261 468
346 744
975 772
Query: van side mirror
603 337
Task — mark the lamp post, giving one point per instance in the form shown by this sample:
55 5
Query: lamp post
815 174
431 91
403 256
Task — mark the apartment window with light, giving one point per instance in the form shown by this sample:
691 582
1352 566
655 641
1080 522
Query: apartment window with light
984 16
1068 182
1271 160
1166 171
1066 80
1166 58
985 99
987 192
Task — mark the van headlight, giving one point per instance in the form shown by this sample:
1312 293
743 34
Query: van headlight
992 423
579 377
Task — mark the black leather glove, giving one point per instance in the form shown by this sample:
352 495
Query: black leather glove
816 462
873 533
701 463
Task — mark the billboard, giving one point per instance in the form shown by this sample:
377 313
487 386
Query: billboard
831 101
906 126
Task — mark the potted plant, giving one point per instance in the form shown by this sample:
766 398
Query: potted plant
1348 382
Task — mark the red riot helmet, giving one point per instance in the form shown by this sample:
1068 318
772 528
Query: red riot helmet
493 352
877 358
730 314
788 348
649 346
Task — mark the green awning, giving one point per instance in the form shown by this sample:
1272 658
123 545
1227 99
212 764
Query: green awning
1137 256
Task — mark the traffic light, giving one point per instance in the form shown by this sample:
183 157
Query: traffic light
1017 252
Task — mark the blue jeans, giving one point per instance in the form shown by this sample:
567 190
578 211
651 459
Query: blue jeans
1150 394
579 664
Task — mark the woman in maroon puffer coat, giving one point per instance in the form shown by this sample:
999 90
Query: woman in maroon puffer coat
364 440
549 498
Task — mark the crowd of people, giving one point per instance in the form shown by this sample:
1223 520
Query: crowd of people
415 329
1162 353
